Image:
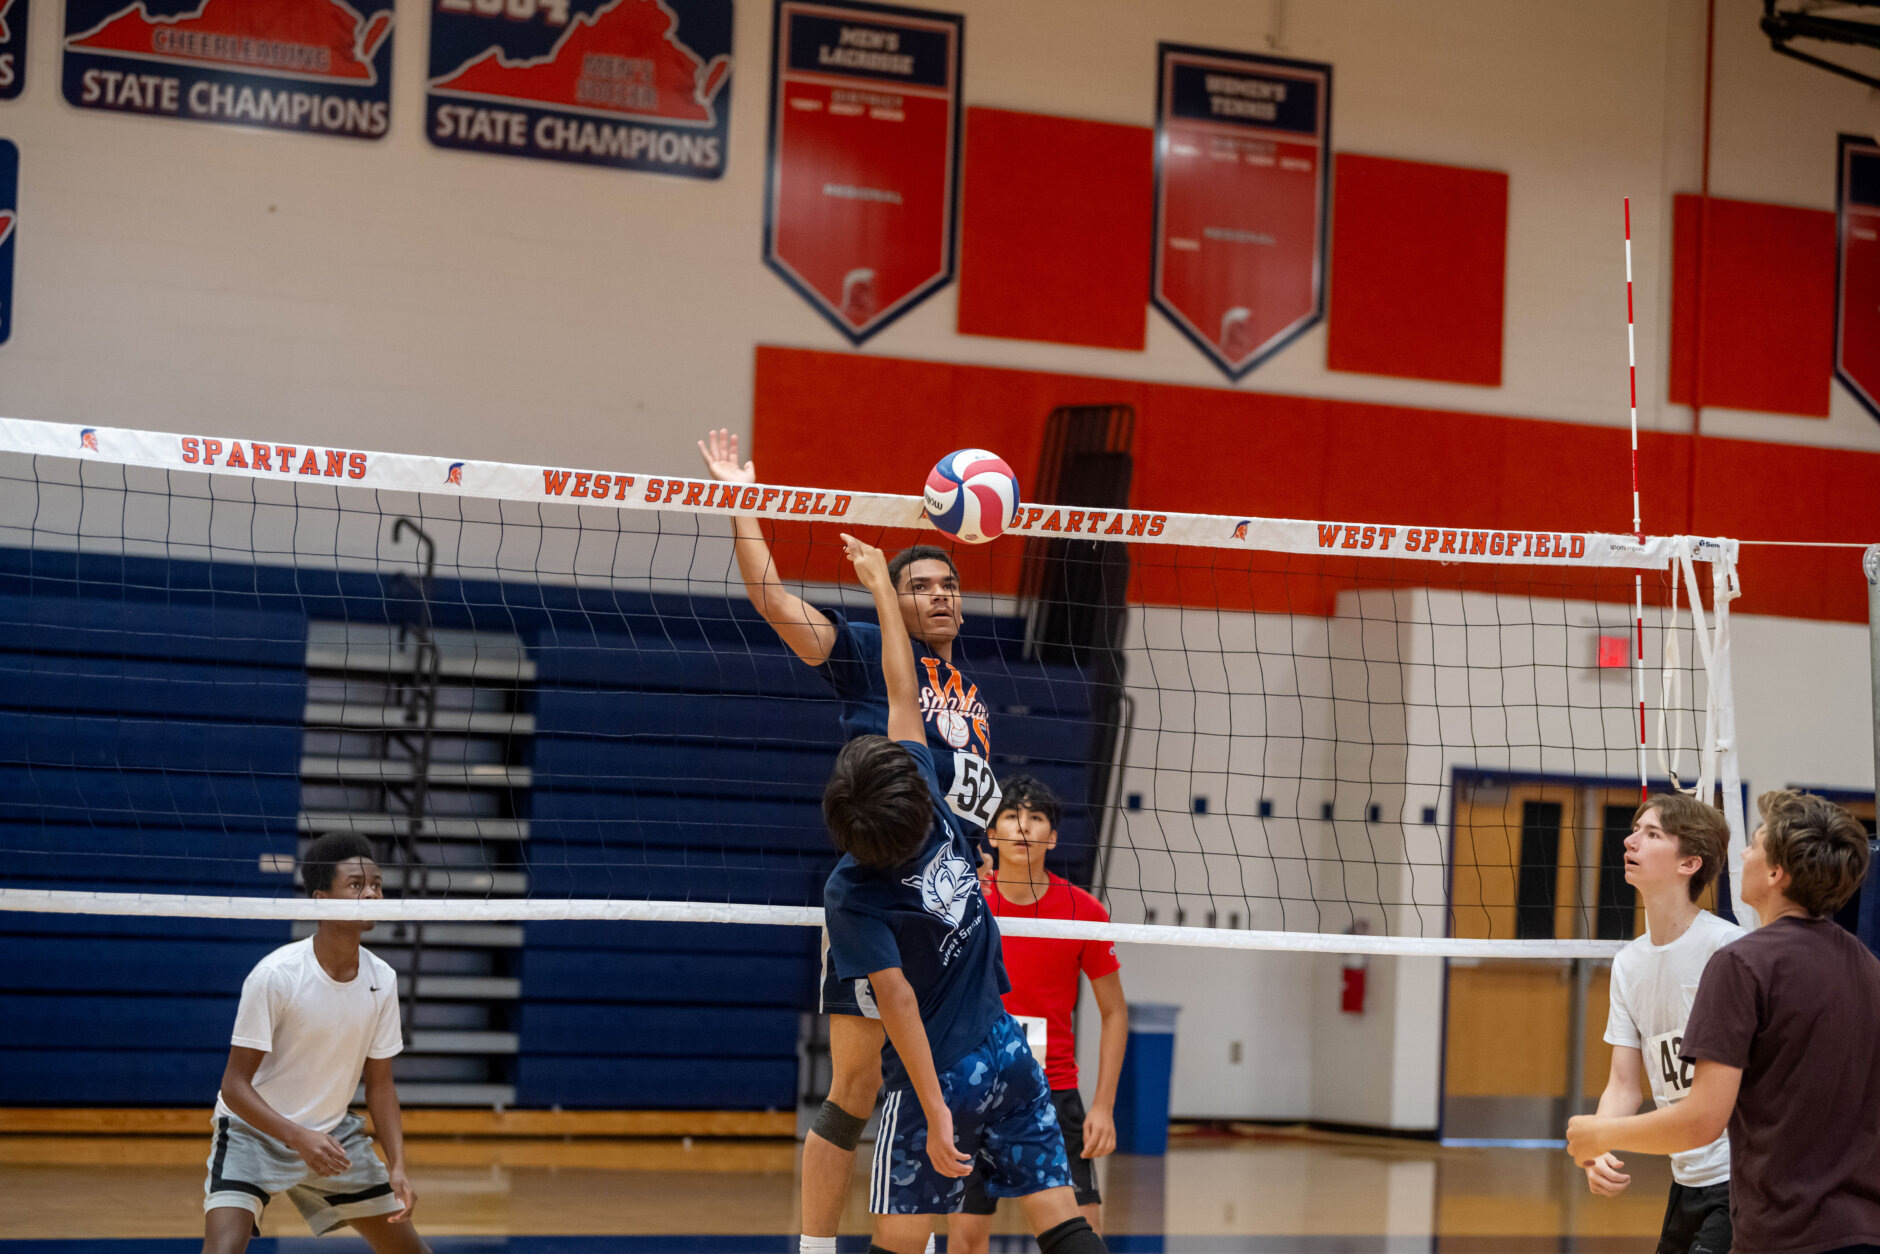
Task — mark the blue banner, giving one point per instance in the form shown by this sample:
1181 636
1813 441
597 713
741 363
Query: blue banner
12 48
320 66
633 84
9 223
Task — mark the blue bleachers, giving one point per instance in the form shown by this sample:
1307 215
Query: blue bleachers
150 739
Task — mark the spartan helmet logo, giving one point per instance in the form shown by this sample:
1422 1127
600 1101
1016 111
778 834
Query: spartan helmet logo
1236 333
858 296
946 884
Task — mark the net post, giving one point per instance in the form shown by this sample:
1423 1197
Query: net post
1870 564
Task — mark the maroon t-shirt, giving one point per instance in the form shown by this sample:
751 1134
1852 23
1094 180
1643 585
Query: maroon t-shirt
1796 1005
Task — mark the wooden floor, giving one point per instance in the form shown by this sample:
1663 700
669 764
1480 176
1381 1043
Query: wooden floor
1265 1190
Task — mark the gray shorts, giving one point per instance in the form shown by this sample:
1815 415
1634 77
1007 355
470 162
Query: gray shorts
247 1168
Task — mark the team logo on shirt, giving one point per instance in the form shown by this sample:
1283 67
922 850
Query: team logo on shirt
946 884
952 727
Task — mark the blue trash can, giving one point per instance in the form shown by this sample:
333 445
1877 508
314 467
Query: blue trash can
1142 1089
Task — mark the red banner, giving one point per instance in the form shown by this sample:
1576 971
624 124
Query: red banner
864 158
1857 276
1242 184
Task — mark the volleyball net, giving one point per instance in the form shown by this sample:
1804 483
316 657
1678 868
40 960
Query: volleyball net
542 693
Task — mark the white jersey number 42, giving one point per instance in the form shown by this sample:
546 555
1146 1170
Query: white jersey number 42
975 794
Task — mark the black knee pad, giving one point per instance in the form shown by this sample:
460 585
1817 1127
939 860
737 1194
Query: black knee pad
838 1127
1073 1236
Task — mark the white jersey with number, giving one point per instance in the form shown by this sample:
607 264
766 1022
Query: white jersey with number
317 1032
1653 987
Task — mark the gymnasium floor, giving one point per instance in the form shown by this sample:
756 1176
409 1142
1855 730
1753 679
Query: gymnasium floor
1270 1191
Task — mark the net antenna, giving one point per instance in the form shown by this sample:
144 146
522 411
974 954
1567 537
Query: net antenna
1335 721
1717 748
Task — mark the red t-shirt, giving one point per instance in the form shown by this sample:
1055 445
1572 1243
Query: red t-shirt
1044 972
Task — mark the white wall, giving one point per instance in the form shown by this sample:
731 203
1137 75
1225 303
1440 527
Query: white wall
1237 707
394 295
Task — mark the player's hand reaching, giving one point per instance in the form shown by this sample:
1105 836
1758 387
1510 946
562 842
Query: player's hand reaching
321 1152
871 564
720 451
1099 1132
1605 1177
941 1151
406 1195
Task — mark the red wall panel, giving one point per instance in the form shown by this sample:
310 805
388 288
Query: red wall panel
1768 306
841 420
1054 229
1419 255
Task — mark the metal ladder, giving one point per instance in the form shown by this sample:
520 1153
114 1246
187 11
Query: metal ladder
414 737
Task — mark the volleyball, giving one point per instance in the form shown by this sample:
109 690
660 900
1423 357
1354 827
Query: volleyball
972 495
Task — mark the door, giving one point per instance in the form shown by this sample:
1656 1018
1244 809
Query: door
1532 861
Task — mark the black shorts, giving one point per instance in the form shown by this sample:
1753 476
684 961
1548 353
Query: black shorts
1070 1113
1697 1220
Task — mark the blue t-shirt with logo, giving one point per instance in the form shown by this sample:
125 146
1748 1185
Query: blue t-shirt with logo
958 728
928 918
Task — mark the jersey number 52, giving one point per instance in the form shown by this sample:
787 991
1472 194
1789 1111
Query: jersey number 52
975 795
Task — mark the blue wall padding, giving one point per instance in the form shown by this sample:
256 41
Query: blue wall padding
97 1077
606 1082
676 1031
65 1020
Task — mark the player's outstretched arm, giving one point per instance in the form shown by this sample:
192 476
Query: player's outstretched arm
1606 1175
388 1126
900 1015
897 651
1697 1120
804 628
318 1150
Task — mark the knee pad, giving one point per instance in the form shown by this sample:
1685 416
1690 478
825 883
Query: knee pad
1073 1236
838 1127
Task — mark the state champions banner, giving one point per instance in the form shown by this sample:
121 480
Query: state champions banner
13 15
9 219
863 175
1857 271
1242 195
318 66
632 84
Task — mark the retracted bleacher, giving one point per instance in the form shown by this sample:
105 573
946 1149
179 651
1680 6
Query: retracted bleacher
152 739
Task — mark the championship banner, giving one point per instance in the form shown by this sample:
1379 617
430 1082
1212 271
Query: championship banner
1857 274
864 157
12 48
632 84
9 218
320 66
1242 191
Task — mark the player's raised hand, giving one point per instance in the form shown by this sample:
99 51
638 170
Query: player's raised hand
1606 1177
322 1152
941 1151
871 564
720 451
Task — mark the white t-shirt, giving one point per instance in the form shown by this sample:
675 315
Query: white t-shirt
317 1032
1653 987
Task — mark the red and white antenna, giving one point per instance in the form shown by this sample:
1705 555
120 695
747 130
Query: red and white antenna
1638 527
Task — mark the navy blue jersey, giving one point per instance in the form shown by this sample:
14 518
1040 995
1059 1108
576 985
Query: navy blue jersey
956 716
926 917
